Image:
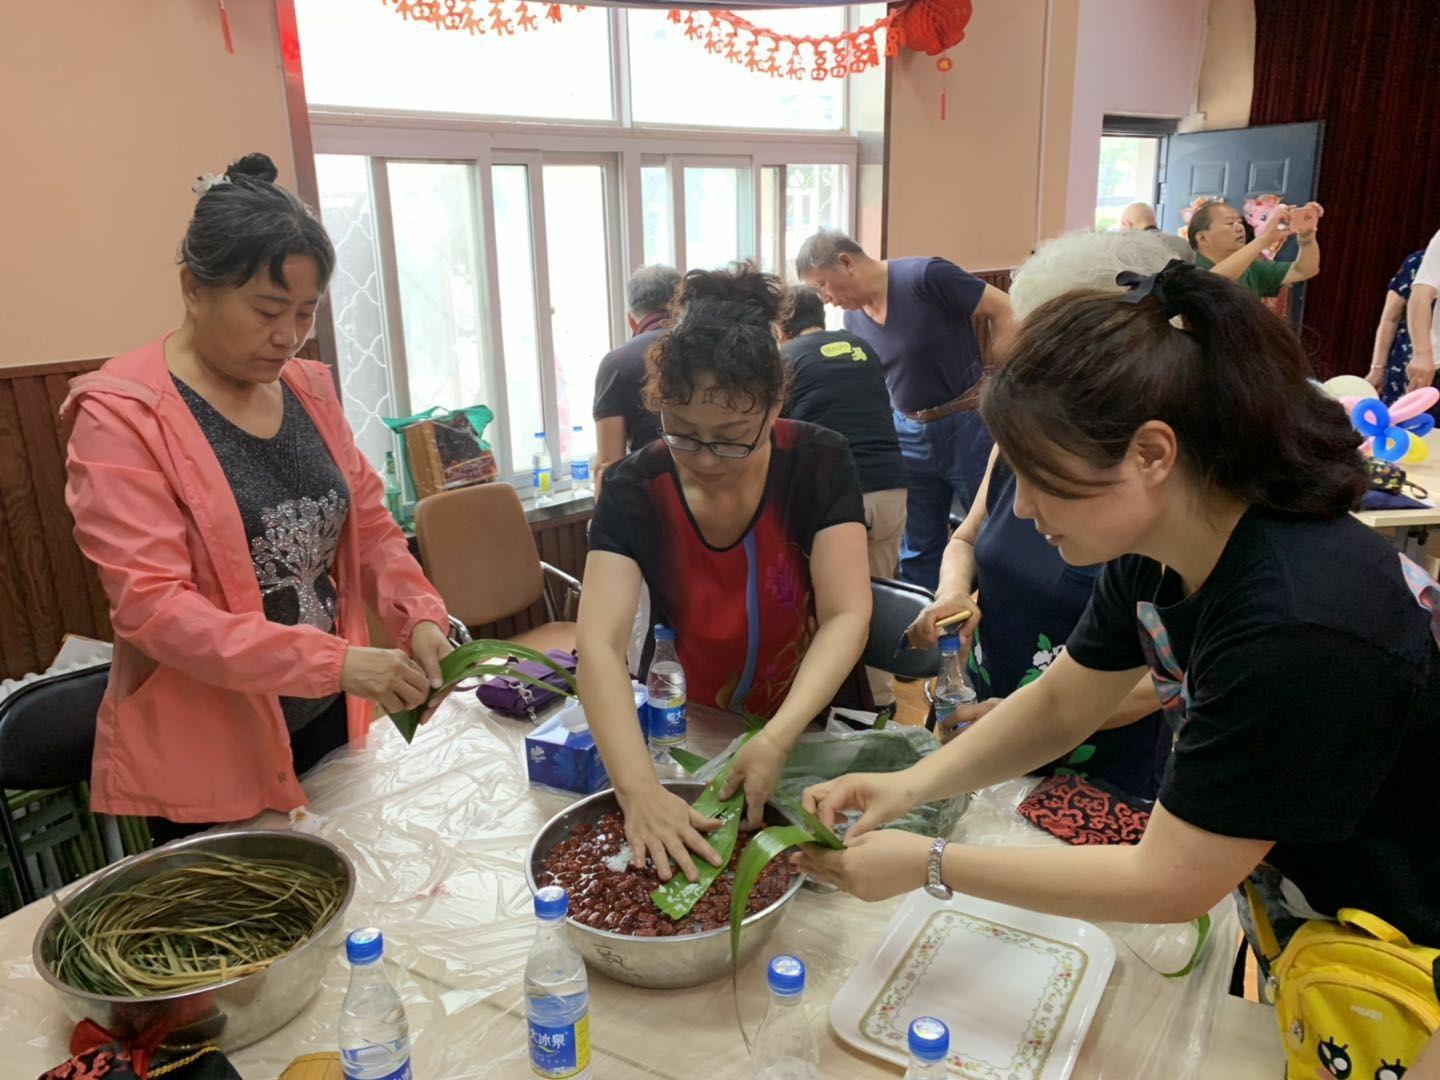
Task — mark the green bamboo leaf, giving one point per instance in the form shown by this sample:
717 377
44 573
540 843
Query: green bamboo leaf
688 761
476 658
766 844
679 895
752 722
823 836
1202 935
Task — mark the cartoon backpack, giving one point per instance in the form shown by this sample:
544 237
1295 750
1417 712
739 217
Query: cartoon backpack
1355 1000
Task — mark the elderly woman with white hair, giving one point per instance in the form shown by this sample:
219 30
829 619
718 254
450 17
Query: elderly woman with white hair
1031 597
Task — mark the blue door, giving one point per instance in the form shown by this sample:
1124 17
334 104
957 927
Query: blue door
1233 164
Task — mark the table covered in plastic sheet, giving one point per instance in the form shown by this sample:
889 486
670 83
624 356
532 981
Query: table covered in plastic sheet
438 832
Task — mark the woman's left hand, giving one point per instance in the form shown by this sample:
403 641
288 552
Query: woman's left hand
875 866
428 646
757 769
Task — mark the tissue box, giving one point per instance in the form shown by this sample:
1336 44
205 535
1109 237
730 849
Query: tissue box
561 752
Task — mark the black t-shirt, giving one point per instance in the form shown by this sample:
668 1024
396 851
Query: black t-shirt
618 384
743 615
1312 707
840 385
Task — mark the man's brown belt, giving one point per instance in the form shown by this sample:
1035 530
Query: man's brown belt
966 402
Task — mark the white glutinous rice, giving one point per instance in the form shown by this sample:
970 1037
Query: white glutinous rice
617 863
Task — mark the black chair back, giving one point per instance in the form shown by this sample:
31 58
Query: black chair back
894 606
47 730
47 738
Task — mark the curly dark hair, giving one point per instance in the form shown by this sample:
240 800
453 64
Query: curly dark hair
1088 368
722 324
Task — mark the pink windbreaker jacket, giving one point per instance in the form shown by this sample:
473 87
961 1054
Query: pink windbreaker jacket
191 727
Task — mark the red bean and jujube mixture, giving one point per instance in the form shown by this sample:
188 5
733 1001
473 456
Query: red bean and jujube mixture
620 901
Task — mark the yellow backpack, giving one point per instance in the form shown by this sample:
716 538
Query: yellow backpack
1355 1000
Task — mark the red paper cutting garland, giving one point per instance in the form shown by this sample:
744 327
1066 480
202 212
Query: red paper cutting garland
929 26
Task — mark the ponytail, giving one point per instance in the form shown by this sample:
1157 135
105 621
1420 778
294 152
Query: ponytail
1232 381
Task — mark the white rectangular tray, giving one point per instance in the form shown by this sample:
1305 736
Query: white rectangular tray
1017 989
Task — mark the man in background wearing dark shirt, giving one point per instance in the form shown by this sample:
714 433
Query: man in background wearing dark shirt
622 422
837 384
920 316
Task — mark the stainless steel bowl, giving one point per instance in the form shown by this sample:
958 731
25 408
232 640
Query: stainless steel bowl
659 962
234 1013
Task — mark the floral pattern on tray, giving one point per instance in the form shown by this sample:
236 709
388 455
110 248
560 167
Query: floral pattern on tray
1046 1018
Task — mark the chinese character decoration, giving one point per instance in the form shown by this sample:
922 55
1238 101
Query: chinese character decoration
929 26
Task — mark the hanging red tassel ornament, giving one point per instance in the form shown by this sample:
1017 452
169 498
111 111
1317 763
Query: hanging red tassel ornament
944 65
225 29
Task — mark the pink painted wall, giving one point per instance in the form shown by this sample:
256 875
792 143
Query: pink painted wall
111 110
1132 57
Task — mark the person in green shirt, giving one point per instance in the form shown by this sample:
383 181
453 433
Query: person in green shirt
1217 233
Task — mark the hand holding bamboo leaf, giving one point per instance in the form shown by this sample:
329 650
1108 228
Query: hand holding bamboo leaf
478 658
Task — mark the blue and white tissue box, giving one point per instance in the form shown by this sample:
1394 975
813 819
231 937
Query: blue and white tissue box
561 753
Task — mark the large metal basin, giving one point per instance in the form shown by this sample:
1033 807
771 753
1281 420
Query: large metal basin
658 962
234 1013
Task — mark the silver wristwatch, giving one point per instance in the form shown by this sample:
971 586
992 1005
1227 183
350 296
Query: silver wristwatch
934 883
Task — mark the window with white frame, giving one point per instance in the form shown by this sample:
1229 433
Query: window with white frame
483 256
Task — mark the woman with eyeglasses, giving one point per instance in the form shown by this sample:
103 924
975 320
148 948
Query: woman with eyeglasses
749 532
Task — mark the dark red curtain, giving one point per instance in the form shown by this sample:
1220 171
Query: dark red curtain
1370 69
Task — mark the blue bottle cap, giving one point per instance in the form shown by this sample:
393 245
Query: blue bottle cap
786 975
929 1039
364 946
539 434
552 902
949 643
664 633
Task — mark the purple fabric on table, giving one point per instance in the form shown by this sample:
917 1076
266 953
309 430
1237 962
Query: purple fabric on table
1384 500
520 700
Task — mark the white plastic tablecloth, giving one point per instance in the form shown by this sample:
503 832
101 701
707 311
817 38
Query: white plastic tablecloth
438 832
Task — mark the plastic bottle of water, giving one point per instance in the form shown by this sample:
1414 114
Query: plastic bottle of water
929 1047
665 697
557 994
581 451
394 497
542 476
785 1047
951 689
374 1038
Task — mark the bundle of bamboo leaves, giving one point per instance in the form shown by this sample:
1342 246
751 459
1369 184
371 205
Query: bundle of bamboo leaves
192 926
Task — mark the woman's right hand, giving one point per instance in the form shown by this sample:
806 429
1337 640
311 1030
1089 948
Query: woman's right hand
1375 376
663 826
881 798
924 635
385 676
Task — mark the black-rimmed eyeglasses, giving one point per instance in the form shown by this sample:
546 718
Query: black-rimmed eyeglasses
730 450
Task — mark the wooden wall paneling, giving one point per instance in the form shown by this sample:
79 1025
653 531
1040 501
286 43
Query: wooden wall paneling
47 474
29 563
57 387
16 649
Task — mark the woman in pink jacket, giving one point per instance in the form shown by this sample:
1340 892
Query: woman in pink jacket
239 534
